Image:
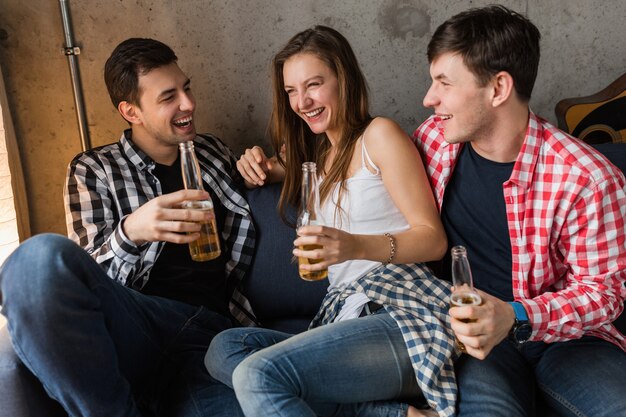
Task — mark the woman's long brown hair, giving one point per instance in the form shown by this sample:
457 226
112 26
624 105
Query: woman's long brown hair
289 129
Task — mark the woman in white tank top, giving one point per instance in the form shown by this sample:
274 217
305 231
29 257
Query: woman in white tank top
382 224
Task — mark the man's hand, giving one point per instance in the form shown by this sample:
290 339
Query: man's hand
163 219
490 324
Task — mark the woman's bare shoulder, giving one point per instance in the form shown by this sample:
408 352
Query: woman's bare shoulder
383 131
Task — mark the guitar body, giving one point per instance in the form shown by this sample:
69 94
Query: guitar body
597 118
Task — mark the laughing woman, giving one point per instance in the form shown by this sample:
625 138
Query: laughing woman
381 338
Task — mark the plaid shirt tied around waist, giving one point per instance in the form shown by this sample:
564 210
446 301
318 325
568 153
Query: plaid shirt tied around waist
419 304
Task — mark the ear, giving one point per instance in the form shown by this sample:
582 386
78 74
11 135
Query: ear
129 112
503 88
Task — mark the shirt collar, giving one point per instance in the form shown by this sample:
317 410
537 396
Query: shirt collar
526 161
135 155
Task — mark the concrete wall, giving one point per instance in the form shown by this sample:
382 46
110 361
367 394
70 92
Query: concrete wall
226 46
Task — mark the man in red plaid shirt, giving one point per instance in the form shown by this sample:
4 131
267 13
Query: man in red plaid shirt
542 216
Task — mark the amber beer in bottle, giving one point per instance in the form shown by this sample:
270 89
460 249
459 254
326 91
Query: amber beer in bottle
464 293
207 246
309 215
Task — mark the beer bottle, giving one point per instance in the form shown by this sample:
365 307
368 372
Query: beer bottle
310 215
464 293
207 246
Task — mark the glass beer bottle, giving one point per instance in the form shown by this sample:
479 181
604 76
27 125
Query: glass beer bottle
309 215
464 293
207 246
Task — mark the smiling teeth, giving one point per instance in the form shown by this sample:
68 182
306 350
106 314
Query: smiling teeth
314 113
445 117
184 121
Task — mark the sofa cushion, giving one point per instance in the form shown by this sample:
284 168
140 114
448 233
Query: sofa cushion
279 297
22 394
616 153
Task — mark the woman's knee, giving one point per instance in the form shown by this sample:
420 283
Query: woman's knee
250 376
216 359
230 347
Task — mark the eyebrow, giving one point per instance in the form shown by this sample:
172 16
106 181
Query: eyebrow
306 81
171 90
440 77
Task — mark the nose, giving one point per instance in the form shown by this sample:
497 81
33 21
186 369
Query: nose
303 100
187 102
431 99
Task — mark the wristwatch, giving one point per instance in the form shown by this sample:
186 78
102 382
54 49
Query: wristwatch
521 330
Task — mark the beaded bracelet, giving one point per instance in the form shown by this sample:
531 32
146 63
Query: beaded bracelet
392 245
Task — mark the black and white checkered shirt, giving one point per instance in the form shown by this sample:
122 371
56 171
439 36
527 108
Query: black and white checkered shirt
107 183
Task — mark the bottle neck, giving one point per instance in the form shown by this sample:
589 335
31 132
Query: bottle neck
458 252
190 168
310 195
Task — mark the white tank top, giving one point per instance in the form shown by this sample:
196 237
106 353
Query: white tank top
367 209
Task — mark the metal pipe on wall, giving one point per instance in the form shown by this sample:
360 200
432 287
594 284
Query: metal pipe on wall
71 52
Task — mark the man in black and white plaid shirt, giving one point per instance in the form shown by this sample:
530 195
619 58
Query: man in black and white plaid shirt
126 335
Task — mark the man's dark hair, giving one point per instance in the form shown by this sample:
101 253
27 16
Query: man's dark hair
492 39
129 60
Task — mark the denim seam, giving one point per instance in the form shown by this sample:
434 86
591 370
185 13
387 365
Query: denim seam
561 400
271 365
267 364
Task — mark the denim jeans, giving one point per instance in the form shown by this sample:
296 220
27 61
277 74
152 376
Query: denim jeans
341 369
101 349
584 377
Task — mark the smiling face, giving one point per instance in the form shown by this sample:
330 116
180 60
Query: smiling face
163 117
463 105
313 91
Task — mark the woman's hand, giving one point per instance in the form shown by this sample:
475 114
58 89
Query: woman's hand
331 245
257 169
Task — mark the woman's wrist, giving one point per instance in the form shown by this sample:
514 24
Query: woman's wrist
392 248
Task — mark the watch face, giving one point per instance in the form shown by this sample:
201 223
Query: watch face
522 332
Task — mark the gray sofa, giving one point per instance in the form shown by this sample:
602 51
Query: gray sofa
281 300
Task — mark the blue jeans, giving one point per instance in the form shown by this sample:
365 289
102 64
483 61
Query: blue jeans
101 349
584 377
341 369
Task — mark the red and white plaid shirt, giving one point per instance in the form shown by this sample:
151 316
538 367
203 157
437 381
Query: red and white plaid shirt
566 211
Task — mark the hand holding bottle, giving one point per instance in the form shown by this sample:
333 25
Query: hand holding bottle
331 246
163 219
480 321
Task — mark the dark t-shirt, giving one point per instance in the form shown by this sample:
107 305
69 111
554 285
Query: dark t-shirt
175 275
474 215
